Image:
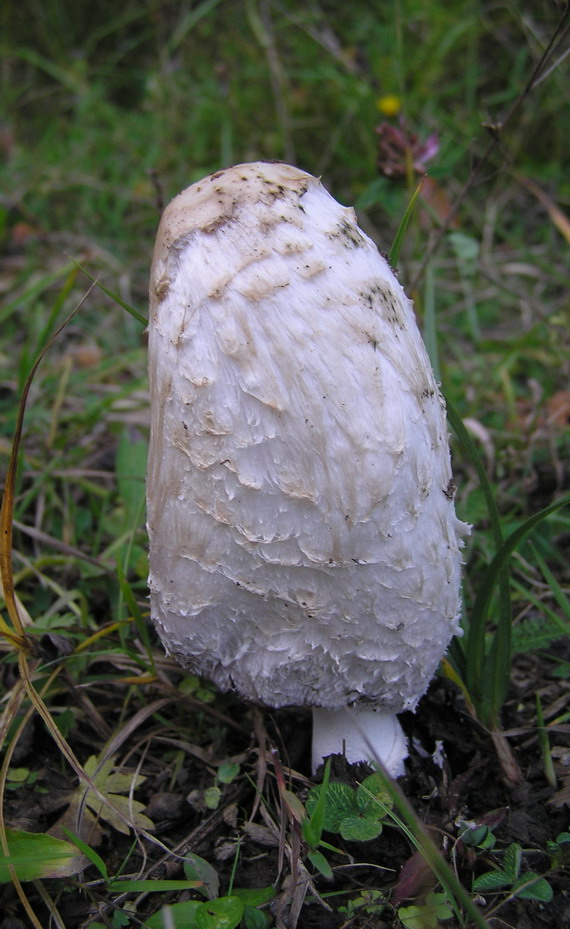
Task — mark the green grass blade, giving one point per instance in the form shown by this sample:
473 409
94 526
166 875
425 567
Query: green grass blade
190 19
547 761
411 825
56 307
473 669
471 451
394 253
491 691
556 590
27 296
313 826
508 547
89 853
146 887
115 297
490 685
430 323
138 618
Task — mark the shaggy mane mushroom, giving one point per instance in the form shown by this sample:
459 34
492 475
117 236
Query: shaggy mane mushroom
304 547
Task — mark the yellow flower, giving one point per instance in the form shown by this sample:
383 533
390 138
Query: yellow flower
389 105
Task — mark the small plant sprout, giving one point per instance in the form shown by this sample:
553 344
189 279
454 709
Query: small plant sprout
357 815
304 547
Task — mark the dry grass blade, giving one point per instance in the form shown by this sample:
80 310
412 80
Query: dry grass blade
130 726
558 217
60 546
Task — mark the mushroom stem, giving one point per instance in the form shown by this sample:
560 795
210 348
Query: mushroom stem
362 734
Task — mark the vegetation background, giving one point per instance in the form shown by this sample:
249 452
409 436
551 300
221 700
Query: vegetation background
105 114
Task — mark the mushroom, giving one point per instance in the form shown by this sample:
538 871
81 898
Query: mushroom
304 547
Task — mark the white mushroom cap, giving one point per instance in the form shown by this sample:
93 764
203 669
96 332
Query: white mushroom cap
304 547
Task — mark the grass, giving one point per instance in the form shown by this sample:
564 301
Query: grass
100 124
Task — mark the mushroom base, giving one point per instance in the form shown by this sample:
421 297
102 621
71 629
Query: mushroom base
362 734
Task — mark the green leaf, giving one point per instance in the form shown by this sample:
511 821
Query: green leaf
181 916
212 796
491 881
294 805
198 869
35 856
417 917
531 886
223 913
313 827
411 917
18 776
428 915
440 904
311 835
254 896
488 841
255 919
119 919
536 632
227 772
359 828
372 798
512 861
477 837
321 864
339 802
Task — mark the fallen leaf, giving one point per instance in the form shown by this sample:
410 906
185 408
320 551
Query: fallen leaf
416 878
85 809
38 856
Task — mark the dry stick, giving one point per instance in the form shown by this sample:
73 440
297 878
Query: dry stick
494 141
59 546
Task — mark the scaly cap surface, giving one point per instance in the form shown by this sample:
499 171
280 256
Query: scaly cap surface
304 547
